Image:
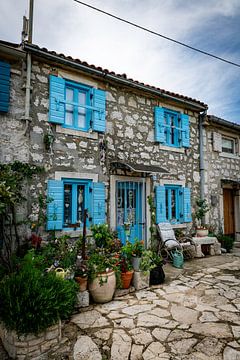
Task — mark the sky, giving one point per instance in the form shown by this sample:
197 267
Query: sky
210 25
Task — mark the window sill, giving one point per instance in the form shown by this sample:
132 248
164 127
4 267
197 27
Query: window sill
78 133
172 148
71 233
179 226
228 155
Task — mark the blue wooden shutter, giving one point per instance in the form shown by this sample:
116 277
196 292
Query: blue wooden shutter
187 211
160 135
160 204
55 208
99 117
98 208
56 99
4 86
185 130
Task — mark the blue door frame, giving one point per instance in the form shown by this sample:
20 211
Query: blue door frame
129 209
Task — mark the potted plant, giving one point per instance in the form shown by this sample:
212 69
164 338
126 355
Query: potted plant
81 277
202 209
102 235
137 251
157 275
101 274
125 264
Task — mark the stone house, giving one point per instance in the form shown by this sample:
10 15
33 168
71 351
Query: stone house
222 179
106 142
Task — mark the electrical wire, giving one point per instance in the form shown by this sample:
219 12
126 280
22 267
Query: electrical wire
157 34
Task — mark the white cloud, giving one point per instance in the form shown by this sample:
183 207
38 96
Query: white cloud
67 27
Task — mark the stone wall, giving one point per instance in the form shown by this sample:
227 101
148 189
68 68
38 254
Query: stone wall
30 346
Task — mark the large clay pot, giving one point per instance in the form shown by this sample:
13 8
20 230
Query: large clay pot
82 281
102 287
202 232
136 261
126 278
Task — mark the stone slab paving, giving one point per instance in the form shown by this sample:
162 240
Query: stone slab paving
194 315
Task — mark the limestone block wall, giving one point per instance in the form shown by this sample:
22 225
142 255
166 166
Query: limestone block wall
30 346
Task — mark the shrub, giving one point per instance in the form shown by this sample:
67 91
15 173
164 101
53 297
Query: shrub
31 301
226 241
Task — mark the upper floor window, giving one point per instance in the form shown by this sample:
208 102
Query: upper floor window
76 106
171 128
228 145
77 111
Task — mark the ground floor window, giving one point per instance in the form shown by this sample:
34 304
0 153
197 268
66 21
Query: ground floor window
174 213
76 199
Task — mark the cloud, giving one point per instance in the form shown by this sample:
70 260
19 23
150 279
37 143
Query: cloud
211 25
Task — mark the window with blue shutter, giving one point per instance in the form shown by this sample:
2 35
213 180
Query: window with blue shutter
171 128
173 204
4 86
76 106
68 198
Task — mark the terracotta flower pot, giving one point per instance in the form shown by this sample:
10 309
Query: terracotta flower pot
82 281
102 287
126 278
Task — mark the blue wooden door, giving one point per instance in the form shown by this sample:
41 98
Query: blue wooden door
130 212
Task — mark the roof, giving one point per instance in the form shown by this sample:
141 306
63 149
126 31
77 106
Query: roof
212 119
108 74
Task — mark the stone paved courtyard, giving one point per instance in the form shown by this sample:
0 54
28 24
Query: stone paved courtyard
194 315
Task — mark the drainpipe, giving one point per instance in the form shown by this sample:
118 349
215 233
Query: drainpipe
29 69
201 157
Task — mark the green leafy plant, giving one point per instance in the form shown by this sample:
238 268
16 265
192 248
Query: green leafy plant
137 248
102 235
150 260
31 301
201 210
99 263
226 241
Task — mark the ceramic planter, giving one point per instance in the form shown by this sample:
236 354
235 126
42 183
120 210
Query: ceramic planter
82 281
136 261
202 232
102 287
126 278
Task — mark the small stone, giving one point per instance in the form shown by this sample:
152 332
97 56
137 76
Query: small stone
236 331
161 334
159 312
121 345
178 335
136 352
162 303
183 346
146 320
103 334
210 346
146 294
231 354
82 299
218 330
141 336
184 315
208 317
90 319
125 323
136 309
86 349
155 351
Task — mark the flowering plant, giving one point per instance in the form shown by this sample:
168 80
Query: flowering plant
81 271
138 248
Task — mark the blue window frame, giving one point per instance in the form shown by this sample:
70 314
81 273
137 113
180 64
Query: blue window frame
77 99
174 206
77 197
173 130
